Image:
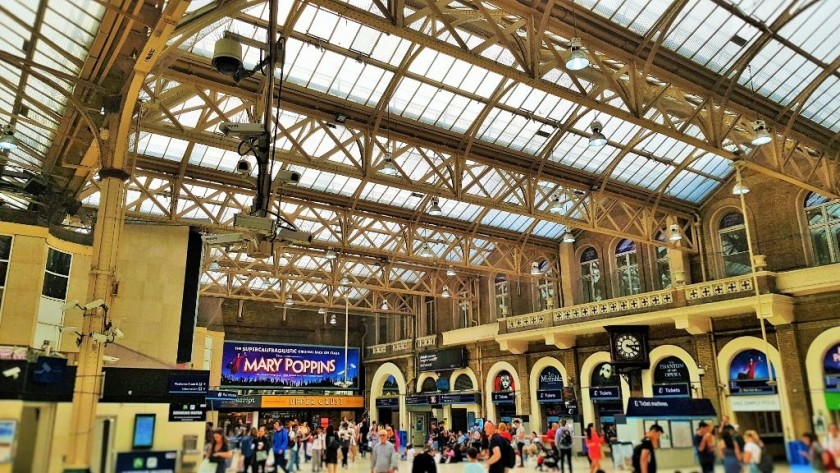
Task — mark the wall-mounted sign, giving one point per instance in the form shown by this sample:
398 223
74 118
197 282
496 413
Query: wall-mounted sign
685 408
250 364
243 401
670 370
189 383
671 390
550 379
749 374
187 412
504 382
387 403
503 398
442 360
219 395
146 462
831 369
605 393
391 385
462 398
328 402
755 403
416 400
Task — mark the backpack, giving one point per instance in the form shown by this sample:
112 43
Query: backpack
765 463
566 438
637 457
333 444
509 455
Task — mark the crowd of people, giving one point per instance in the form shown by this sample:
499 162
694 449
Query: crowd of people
501 448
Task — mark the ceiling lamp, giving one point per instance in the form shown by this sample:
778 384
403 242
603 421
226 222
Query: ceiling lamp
740 189
345 281
556 207
289 302
450 271
568 237
322 311
578 59
426 252
535 269
214 266
597 139
445 293
761 136
434 209
676 234
384 305
330 254
388 167
8 142
332 319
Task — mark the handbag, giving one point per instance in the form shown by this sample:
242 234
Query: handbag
207 467
262 455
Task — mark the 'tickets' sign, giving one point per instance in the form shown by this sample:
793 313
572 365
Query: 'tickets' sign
250 364
831 369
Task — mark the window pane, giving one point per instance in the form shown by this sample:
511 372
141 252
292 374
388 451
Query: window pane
737 264
5 247
55 286
820 243
734 242
4 266
58 262
663 269
815 216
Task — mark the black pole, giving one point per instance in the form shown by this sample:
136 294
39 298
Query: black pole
263 199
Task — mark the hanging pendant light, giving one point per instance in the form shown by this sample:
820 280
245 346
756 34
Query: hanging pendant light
597 138
760 136
322 311
535 269
450 271
676 234
568 237
8 142
578 59
345 281
333 321
740 189
426 252
384 305
556 207
388 167
289 302
434 208
214 266
445 293
330 254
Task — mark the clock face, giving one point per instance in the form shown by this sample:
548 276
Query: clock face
628 346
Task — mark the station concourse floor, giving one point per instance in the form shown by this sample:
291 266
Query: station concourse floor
579 465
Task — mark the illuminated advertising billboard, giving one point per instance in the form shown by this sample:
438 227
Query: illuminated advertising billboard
286 366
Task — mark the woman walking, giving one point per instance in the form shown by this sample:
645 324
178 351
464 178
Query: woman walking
218 453
261 448
753 447
246 447
331 451
593 447
729 452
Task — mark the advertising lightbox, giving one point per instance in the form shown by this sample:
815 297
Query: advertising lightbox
287 366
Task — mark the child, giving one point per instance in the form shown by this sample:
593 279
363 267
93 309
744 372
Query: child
472 463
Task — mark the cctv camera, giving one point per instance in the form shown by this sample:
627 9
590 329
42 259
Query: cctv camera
74 304
227 56
99 337
292 177
118 333
244 167
110 359
95 304
701 372
12 372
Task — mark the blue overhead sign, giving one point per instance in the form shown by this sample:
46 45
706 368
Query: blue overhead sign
605 393
503 398
388 402
671 390
670 408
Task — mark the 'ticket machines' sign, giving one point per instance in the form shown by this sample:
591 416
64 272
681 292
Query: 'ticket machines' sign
250 364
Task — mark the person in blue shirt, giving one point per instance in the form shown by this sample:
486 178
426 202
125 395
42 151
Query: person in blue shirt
279 443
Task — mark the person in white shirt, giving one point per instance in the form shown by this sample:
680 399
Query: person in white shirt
752 451
409 453
317 449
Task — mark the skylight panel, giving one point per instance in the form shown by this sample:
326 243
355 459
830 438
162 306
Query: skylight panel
388 195
547 229
390 49
509 221
779 73
459 210
815 30
822 107
713 165
691 187
641 171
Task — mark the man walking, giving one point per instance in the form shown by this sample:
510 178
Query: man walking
383 458
704 444
279 444
519 436
496 443
563 443
644 457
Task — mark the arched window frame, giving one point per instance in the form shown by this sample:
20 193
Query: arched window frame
591 276
627 268
822 217
733 263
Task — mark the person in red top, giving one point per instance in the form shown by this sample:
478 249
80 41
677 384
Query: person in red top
593 447
505 432
549 436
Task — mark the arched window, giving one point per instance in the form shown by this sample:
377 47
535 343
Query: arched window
823 227
590 275
463 383
663 265
429 386
627 266
502 296
733 245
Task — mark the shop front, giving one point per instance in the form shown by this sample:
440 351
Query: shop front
605 394
671 378
315 409
240 412
754 398
554 400
388 410
504 396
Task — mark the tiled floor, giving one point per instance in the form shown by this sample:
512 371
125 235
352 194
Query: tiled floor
579 465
